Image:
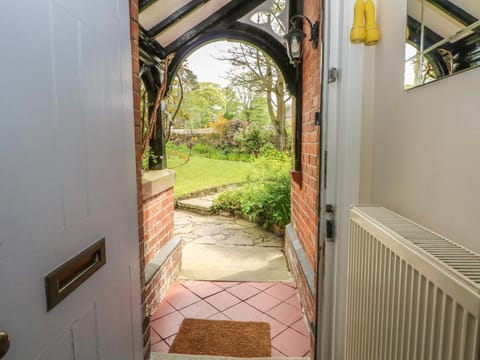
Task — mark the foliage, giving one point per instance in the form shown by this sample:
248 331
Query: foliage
257 75
266 199
201 106
251 139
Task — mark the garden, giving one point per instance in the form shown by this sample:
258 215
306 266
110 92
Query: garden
214 135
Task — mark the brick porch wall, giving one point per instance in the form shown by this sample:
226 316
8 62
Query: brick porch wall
304 196
163 253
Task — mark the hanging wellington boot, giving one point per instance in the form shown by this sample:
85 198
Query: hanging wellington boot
372 35
357 34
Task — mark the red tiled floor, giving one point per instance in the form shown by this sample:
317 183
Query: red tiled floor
276 327
285 313
242 312
205 289
243 291
181 297
294 301
168 325
276 353
169 341
200 310
154 337
161 347
291 343
261 285
163 309
226 284
281 291
218 316
301 327
222 301
275 303
263 302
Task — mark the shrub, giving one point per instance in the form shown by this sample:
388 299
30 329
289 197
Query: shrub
251 139
266 199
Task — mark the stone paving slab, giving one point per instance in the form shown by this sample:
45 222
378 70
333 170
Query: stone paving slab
227 248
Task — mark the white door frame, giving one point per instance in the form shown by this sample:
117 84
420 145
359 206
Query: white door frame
342 103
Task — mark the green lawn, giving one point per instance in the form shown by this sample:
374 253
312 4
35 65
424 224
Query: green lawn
202 173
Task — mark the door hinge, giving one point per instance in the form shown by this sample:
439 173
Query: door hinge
330 223
332 75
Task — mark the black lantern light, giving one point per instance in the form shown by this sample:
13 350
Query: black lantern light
295 38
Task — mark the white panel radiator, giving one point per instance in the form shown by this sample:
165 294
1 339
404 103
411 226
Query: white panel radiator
412 294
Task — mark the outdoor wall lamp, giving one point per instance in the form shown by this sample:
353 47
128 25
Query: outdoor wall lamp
295 38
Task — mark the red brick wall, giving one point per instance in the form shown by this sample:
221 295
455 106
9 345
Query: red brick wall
157 223
305 195
157 287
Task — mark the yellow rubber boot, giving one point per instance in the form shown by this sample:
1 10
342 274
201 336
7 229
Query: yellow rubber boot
357 34
372 35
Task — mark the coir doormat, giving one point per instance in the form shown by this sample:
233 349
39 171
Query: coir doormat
223 338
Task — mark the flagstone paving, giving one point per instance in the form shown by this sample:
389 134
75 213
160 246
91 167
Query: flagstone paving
229 249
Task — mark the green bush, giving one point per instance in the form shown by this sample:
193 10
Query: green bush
266 199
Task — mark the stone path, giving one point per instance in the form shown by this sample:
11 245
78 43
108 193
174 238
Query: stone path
201 205
223 248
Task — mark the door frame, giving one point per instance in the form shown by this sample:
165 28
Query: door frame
341 138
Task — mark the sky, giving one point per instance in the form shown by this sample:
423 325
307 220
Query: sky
203 63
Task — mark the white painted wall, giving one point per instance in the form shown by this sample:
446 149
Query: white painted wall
426 142
67 177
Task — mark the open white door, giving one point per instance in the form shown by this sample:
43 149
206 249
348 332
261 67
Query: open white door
341 101
67 179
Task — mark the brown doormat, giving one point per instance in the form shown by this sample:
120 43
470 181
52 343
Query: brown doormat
223 338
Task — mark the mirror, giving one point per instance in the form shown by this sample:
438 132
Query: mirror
442 39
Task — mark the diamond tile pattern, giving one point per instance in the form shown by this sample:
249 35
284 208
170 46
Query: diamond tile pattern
275 303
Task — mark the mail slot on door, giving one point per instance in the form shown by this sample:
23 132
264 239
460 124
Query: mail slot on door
70 275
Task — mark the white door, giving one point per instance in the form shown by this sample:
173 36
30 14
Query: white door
67 178
340 187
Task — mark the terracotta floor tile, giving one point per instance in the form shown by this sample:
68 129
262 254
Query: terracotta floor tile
263 302
175 288
222 301
290 283
219 316
242 312
154 337
276 327
180 299
281 291
163 309
285 313
169 341
243 291
205 289
291 343
161 347
167 325
294 301
276 353
199 310
190 283
226 284
261 285
301 327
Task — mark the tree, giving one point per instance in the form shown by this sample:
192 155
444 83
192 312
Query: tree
203 105
256 75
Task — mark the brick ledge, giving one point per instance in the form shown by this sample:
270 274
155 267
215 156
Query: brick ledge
160 258
307 269
155 182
